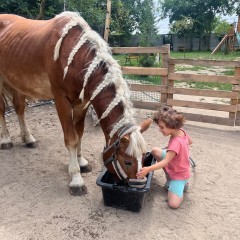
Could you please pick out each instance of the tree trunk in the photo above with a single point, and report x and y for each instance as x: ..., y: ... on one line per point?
x: 209, y: 41
x: 191, y: 42
x: 200, y: 42
x: 41, y: 10
x: 108, y: 19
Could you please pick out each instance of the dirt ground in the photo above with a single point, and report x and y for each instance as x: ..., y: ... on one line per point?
x: 35, y: 203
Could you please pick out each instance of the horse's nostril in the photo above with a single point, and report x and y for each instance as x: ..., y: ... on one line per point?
x: 128, y: 163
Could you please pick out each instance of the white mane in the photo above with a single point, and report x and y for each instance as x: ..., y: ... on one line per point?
x: 75, y: 19
x: 113, y: 77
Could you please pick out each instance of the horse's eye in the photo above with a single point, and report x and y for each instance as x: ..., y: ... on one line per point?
x: 128, y: 163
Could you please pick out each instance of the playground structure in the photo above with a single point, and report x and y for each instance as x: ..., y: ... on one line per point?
x: 231, y: 41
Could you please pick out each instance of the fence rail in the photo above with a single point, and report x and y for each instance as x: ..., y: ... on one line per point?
x: 136, y: 50
x: 205, y: 63
x: 168, y: 90
x: 145, y: 71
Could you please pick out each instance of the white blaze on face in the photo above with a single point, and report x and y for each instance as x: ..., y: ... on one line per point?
x: 139, y: 163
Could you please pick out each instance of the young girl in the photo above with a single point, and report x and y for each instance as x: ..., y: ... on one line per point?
x: 175, y: 159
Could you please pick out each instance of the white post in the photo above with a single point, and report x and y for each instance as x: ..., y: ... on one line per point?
x: 64, y: 5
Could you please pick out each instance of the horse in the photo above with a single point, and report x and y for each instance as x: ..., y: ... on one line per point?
x: 64, y: 59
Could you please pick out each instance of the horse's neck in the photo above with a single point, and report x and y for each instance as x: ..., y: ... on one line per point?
x: 112, y: 121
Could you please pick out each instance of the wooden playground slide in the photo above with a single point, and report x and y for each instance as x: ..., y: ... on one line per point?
x: 220, y: 44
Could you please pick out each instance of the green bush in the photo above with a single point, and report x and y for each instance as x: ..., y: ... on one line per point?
x: 147, y: 61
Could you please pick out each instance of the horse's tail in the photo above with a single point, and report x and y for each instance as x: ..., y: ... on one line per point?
x: 7, y: 95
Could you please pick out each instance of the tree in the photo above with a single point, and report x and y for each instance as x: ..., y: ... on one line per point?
x: 202, y: 12
x: 128, y: 16
x: 25, y: 8
x: 122, y: 22
x: 182, y: 27
x: 222, y: 28
x: 32, y: 8
x: 41, y: 10
x: 147, y: 28
x: 93, y: 11
x: 132, y: 16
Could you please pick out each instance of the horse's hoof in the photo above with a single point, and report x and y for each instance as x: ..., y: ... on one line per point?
x: 6, y: 146
x: 85, y: 169
x: 78, y: 191
x: 31, y: 145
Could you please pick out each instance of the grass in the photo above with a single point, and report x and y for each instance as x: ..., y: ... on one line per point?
x: 214, y: 86
x: 192, y: 68
x: 155, y: 80
x: 121, y: 58
x: 206, y: 55
x: 229, y: 72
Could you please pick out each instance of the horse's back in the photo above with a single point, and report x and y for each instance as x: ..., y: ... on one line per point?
x: 25, y: 39
x: 26, y: 53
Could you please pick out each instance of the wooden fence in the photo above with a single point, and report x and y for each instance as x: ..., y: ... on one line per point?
x: 226, y: 112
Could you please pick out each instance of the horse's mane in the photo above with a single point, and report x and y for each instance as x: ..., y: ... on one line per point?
x: 113, y: 76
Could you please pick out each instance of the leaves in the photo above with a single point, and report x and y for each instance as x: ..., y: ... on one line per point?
x: 202, y: 12
x: 127, y: 16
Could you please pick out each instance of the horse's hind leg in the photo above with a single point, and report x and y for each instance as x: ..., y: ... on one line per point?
x: 19, y: 104
x: 6, y: 142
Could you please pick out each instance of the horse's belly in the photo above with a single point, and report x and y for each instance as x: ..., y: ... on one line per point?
x: 34, y: 86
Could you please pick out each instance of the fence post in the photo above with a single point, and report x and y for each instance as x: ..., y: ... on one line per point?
x: 165, y: 63
x: 171, y: 69
x: 236, y: 88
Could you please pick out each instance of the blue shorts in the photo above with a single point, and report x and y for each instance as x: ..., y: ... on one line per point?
x: 174, y: 186
x: 177, y: 186
x: 164, y: 152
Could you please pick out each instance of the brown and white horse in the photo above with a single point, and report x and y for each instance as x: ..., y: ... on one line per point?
x: 64, y: 59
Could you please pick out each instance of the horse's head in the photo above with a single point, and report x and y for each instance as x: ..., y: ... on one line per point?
x: 123, y: 156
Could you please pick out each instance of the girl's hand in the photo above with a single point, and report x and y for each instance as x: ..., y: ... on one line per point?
x: 143, y: 172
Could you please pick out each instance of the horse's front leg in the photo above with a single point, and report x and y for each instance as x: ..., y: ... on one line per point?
x: 71, y: 140
x: 83, y: 163
x: 79, y: 125
x: 19, y: 105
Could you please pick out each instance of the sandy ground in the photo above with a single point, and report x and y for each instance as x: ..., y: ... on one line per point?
x: 35, y: 203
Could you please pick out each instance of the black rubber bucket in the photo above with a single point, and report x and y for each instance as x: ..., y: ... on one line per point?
x: 124, y: 197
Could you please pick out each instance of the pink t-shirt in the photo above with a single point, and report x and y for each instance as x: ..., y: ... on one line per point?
x: 179, y: 167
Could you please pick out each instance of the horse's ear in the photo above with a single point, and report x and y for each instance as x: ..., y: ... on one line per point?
x: 125, y: 139
x: 145, y: 125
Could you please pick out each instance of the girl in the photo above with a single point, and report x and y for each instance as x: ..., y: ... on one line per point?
x: 175, y: 159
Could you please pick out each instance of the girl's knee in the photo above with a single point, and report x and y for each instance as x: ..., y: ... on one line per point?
x: 155, y: 150
x: 157, y: 153
x: 174, y: 201
x: 174, y: 205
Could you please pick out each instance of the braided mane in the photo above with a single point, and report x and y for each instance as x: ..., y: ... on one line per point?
x: 113, y: 76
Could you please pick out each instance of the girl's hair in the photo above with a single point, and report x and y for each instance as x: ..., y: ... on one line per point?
x: 170, y: 117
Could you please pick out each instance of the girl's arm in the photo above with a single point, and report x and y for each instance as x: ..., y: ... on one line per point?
x: 145, y: 170
x: 190, y: 140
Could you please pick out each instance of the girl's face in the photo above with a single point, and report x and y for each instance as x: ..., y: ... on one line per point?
x: 166, y: 131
